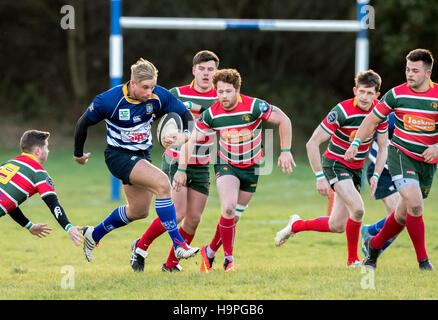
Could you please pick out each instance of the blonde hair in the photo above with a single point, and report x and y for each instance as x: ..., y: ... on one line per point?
x: 143, y: 70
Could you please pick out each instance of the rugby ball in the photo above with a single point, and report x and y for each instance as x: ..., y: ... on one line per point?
x: 169, y: 123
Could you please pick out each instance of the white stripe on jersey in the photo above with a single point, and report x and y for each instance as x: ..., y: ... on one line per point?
x: 4, y: 209
x: 125, y: 136
x: 25, y: 164
x: 25, y: 178
x: 225, y: 147
x: 48, y: 193
x: 19, y: 188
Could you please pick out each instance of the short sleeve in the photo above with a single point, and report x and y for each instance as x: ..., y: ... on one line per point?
x: 44, y: 184
x: 385, y: 106
x: 96, y: 110
x: 169, y: 103
x: 204, y: 122
x: 262, y: 109
x: 333, y: 121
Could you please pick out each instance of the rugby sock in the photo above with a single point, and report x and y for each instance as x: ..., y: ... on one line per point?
x: 415, y: 226
x: 172, y: 260
x: 389, y: 230
x: 319, y: 224
x: 166, y: 212
x: 375, y: 228
x: 227, y: 229
x: 216, y: 243
x: 352, y: 231
x: 155, y: 230
x: 115, y: 220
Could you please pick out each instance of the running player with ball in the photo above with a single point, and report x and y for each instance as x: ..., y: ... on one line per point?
x: 190, y: 200
x: 129, y: 110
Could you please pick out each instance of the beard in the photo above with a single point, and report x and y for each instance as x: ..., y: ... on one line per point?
x: 229, y: 104
x: 416, y: 84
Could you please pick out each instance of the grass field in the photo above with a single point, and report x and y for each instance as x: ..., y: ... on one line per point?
x: 309, y: 266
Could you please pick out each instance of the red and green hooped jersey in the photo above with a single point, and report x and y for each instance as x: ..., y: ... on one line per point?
x: 201, y: 152
x: 342, y: 124
x: 21, y: 178
x: 239, y: 130
x: 416, y: 118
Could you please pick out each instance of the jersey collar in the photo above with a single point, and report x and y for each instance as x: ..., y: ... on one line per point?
x: 192, y: 86
x: 30, y: 156
x: 127, y: 97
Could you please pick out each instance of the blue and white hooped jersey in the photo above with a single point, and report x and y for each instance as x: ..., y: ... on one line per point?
x: 129, y: 121
x: 375, y: 147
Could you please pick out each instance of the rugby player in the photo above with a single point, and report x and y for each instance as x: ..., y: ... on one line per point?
x: 191, y: 199
x: 237, y: 119
x: 129, y: 110
x: 23, y: 176
x: 340, y: 126
x: 412, y: 154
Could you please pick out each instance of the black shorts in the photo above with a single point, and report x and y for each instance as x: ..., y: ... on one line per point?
x: 385, y: 187
x: 120, y: 162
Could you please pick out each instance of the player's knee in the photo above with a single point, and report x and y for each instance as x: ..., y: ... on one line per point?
x: 416, y: 210
x: 229, y: 210
x: 163, y: 188
x: 358, y: 214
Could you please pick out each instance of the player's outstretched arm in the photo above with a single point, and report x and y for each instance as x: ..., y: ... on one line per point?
x: 365, y: 130
x: 40, y: 229
x: 60, y: 216
x: 285, y: 160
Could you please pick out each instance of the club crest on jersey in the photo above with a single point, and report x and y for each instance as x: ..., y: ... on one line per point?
x: 246, y: 118
x: 435, y: 105
x: 149, y: 108
x: 49, y: 181
x: 91, y: 107
x: 264, y: 107
x: 332, y: 117
x: 124, y: 114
